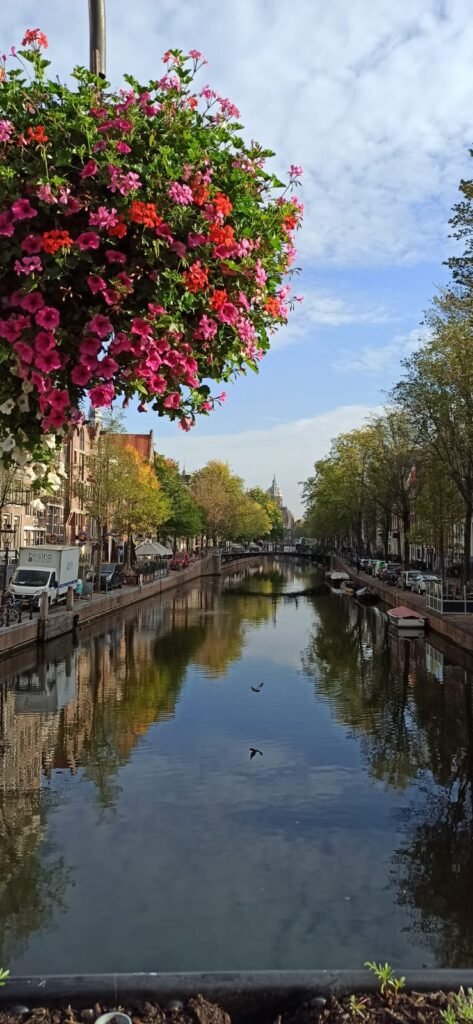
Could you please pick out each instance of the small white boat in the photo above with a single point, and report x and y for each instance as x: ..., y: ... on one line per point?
x: 405, y: 618
x: 336, y: 578
x: 348, y: 587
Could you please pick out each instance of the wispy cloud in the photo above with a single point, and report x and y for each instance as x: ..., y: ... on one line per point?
x: 378, y: 360
x: 288, y: 449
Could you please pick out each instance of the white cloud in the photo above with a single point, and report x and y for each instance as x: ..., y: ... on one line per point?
x: 378, y: 360
x: 288, y: 449
x: 324, y: 309
x: 377, y: 107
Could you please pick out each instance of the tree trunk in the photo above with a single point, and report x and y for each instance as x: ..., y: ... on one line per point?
x: 98, y: 562
x: 406, y: 524
x: 467, y: 541
x: 128, y: 547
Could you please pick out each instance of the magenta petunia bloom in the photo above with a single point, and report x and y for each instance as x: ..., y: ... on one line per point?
x: 48, y: 317
x: 102, y: 395
x: 88, y: 240
x: 23, y: 210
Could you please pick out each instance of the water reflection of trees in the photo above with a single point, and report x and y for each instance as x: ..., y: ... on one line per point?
x: 413, y: 731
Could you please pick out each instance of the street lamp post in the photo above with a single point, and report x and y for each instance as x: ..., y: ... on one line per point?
x: 97, y: 36
x: 6, y: 532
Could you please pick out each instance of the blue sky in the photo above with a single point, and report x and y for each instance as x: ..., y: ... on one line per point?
x: 374, y: 100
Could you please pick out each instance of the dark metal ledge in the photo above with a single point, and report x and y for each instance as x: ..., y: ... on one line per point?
x: 241, y: 991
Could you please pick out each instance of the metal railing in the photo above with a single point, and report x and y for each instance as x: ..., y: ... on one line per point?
x: 447, y: 598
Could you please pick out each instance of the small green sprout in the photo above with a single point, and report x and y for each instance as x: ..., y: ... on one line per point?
x: 386, y: 977
x: 461, y: 1010
x: 3, y: 976
x: 357, y: 1006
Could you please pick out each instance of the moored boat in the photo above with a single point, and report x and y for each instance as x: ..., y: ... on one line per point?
x: 366, y: 596
x: 336, y: 578
x: 348, y: 587
x: 405, y: 618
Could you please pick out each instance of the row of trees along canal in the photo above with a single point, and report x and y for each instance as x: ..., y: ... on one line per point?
x: 123, y: 494
x: 415, y: 460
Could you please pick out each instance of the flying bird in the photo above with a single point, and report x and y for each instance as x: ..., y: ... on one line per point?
x: 254, y: 752
x: 257, y: 689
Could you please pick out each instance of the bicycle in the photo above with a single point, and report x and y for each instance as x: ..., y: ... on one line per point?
x: 10, y: 611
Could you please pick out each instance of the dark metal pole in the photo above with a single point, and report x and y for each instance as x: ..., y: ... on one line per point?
x: 97, y: 36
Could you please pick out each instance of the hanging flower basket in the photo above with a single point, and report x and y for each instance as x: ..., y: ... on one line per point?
x: 143, y: 248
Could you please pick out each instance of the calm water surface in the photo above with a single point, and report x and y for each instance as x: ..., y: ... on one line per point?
x: 137, y: 834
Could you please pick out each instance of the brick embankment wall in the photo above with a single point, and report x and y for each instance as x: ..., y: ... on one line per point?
x: 456, y: 628
x: 17, y: 637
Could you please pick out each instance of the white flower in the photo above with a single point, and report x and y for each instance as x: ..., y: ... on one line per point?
x: 28, y: 475
x: 37, y: 505
x: 54, y: 480
x: 23, y: 403
x: 50, y: 441
x: 39, y: 469
x: 7, y: 407
x: 20, y: 456
x: 8, y: 444
x: 27, y: 387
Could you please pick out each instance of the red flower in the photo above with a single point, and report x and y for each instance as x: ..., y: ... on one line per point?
x: 196, y: 278
x: 53, y: 241
x: 220, y: 235
x: 218, y: 298
x: 201, y: 194
x: 34, y: 36
x: 222, y: 204
x: 144, y: 213
x: 272, y: 306
x: 38, y: 135
x: 118, y: 230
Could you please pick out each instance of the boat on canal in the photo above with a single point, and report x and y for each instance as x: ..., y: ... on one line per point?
x: 336, y: 578
x: 366, y: 596
x: 405, y: 618
x: 348, y: 587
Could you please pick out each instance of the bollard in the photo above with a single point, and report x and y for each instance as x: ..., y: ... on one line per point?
x: 43, y: 607
x: 70, y: 599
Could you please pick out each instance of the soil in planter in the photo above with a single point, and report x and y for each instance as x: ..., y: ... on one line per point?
x: 406, y: 1008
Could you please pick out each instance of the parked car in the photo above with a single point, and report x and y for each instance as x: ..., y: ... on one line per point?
x: 111, y: 575
x: 180, y: 560
x: 391, y: 569
x: 364, y: 562
x: 379, y: 565
x: 420, y: 585
x: 408, y: 578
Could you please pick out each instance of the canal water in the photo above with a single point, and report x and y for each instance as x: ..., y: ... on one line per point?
x: 139, y: 831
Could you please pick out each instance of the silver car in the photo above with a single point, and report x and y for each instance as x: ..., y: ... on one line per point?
x: 420, y: 585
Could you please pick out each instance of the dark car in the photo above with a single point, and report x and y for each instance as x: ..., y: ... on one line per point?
x: 111, y: 575
x: 391, y: 572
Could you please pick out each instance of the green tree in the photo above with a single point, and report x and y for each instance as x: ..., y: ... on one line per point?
x: 142, y: 506
x: 272, y: 511
x: 102, y: 490
x: 218, y: 493
x: 185, y: 517
x: 437, y: 395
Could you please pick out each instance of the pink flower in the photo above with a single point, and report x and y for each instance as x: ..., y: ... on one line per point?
x: 141, y: 327
x: 112, y: 256
x: 103, y: 394
x: 54, y: 421
x: 44, y: 342
x: 97, y: 146
x: 103, y: 218
x: 243, y: 300
x: 164, y: 231
x: 46, y: 194
x: 48, y: 361
x: 186, y: 423
x: 195, y: 238
x: 155, y: 310
x: 96, y: 283
x: 7, y: 226
x: 100, y: 325
x: 6, y: 129
x: 228, y: 314
x: 90, y: 168
x: 123, y: 147
x: 32, y: 302
x: 24, y: 351
x: 112, y: 296
x: 172, y: 401
x: 207, y: 406
x: 32, y: 244
x: 222, y: 397
x: 180, y: 194
x: 207, y: 328
x: 245, y: 329
x: 48, y: 317
x: 90, y: 347
x: 260, y: 273
x: 10, y: 330
x: 107, y: 367
x: 28, y: 265
x: 23, y: 210
x: 81, y: 375
x: 88, y: 240
x: 179, y: 248
x: 38, y: 382
x: 195, y: 54
x: 123, y: 182
x: 59, y: 399
x: 295, y: 171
